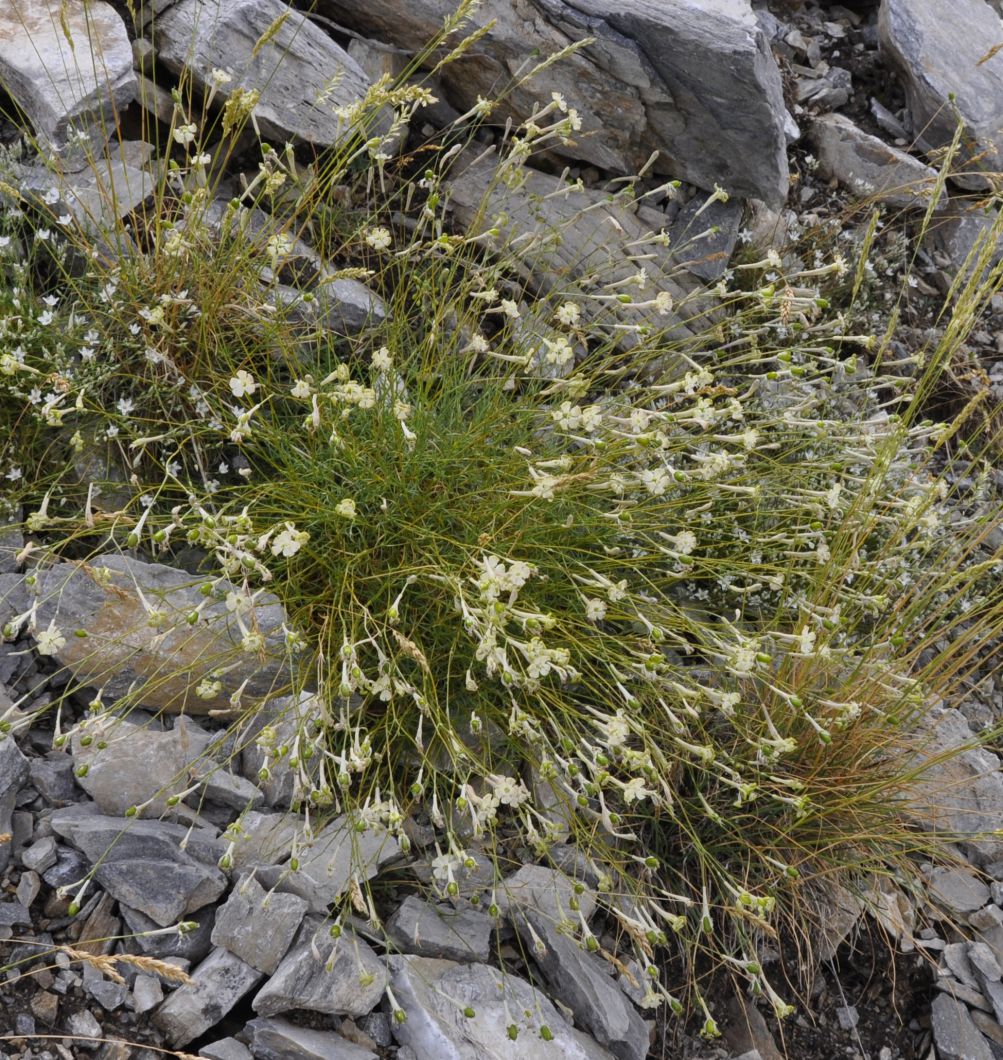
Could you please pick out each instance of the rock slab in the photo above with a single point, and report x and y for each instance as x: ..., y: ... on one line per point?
x: 138, y: 636
x: 692, y: 79
x: 298, y: 66
x: 949, y: 73
x: 435, y: 993
x: 77, y: 70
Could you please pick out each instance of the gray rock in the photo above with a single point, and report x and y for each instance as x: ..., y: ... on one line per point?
x: 108, y: 188
x: 706, y: 257
x: 960, y: 234
x: 263, y: 838
x: 343, y: 307
x: 991, y: 1029
x: 52, y: 777
x: 693, y: 79
x: 983, y: 961
x: 167, y: 662
x: 256, y: 926
x: 225, y: 789
x: 28, y: 887
x: 190, y: 946
x: 992, y: 990
x: 285, y: 715
x: 299, y: 64
x: 216, y: 985
x: 959, y: 991
x: 947, y: 75
x: 147, y: 993
x: 848, y: 1017
x: 71, y: 867
x: 41, y: 855
x: 143, y: 863
x: 956, y: 1036
x: 957, y: 889
x: 595, y: 245
x: 441, y: 931
x: 84, y: 1026
x: 582, y: 981
x: 277, y: 1039
x: 548, y: 890
x: 435, y: 993
x: 62, y: 82
x: 957, y: 791
x: 13, y: 776
x: 825, y: 87
x: 955, y: 959
x: 339, y: 977
x: 107, y: 993
x: 135, y: 765
x: 869, y: 167
x: 14, y: 914
x: 329, y: 860
x: 226, y: 1049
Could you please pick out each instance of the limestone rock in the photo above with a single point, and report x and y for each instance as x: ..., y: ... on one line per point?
x: 547, y: 890
x: 339, y: 977
x: 64, y: 82
x: 13, y: 775
x: 947, y: 74
x: 256, y: 926
x: 263, y: 838
x: 143, y: 864
x: 959, y: 792
x: 435, y: 993
x: 98, y: 195
x: 343, y: 307
x: 124, y: 651
x: 277, y: 1039
x: 329, y: 860
x: 692, y: 79
x: 581, y: 981
x: 135, y: 765
x: 216, y: 985
x: 298, y: 66
x: 597, y: 241
x: 955, y: 1034
x: 441, y: 931
x: 191, y: 946
x: 869, y: 167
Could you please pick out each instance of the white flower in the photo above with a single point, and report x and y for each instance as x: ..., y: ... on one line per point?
x: 51, y: 197
x: 595, y: 609
x: 289, y: 541
x: 346, y: 508
x: 125, y: 405
x: 507, y: 791
x: 655, y: 480
x: 302, y: 389
x: 663, y: 303
x: 379, y: 238
x: 220, y: 76
x: 634, y: 791
x: 806, y: 642
x: 242, y: 383
x: 184, y: 134
x: 686, y: 541
x: 382, y: 359
x: 617, y: 731
x: 49, y: 641
x: 510, y: 308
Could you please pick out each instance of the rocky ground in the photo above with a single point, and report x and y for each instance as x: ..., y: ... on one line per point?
x: 809, y: 114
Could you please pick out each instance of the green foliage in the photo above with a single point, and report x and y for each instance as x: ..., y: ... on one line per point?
x: 669, y: 599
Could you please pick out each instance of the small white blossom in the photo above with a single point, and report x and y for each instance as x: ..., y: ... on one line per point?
x: 242, y: 383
